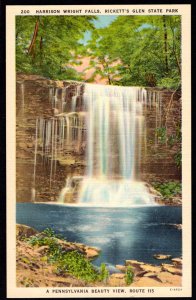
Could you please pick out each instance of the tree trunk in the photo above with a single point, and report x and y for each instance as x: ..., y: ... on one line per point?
x: 40, y: 48
x: 106, y: 66
x: 178, y: 63
x: 109, y: 80
x: 175, y: 53
x: 31, y: 50
x: 165, y: 45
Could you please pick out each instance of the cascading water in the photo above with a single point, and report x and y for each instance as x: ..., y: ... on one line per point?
x: 108, y: 124
x: 74, y: 98
x: 115, y: 125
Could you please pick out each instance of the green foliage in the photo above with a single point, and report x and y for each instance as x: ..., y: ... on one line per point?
x: 168, y: 82
x: 46, y: 238
x: 139, y: 50
x: 161, y: 133
x: 132, y: 50
x: 173, y: 140
x: 129, y: 275
x: 168, y: 189
x: 178, y: 158
x: 71, y: 262
x: 77, y: 265
x: 27, y: 282
x: 49, y: 232
x: 42, y: 240
x: 25, y: 260
x: 48, y: 45
x: 104, y: 273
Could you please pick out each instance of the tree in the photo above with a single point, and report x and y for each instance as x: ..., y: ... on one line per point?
x: 45, y: 45
x: 143, y: 50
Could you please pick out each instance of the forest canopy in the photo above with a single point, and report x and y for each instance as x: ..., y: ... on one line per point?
x: 48, y: 45
x: 131, y: 51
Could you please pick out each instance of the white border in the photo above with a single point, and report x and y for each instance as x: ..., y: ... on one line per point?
x: 16, y: 292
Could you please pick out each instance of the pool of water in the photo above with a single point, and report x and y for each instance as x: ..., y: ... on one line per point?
x: 121, y: 233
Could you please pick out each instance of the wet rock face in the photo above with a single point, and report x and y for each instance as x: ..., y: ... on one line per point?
x: 35, y: 98
x: 159, y: 162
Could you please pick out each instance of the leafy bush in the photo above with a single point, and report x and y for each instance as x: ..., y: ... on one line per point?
x: 49, y: 232
x: 71, y: 262
x: 42, y: 240
x: 104, y: 273
x: 45, y: 238
x: 161, y: 134
x: 129, y: 275
x: 173, y: 140
x: 178, y: 159
x: 168, y: 189
x: 76, y: 264
x: 169, y: 82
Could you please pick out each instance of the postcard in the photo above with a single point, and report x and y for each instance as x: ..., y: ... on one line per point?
x: 98, y: 151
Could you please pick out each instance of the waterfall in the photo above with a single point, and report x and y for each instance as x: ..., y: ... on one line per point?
x: 74, y: 98
x: 115, y: 123
x: 53, y: 136
x: 107, y: 124
x: 67, y: 189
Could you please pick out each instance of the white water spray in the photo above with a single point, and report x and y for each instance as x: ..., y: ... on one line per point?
x: 111, y: 122
x: 67, y: 189
x: 115, y: 125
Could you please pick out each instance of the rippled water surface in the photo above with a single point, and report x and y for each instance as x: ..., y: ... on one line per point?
x: 121, y: 233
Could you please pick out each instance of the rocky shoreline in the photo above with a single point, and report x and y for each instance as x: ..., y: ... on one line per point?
x: 35, y: 270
